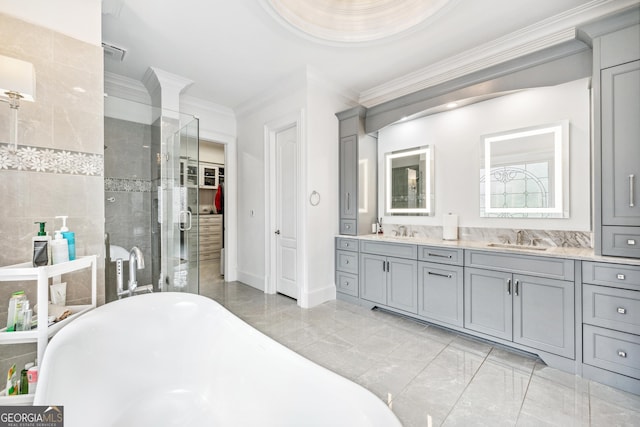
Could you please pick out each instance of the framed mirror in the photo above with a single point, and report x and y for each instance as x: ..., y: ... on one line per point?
x: 524, y: 173
x: 408, y: 178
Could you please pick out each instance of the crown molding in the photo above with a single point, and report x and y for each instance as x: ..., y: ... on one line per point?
x: 203, y: 104
x: 550, y: 32
x: 126, y: 88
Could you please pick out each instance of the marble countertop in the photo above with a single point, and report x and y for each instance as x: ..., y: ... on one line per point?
x: 583, y: 254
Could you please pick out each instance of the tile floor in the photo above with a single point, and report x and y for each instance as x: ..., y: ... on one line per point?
x: 434, y: 377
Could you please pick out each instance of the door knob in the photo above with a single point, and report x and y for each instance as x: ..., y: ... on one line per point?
x: 278, y: 232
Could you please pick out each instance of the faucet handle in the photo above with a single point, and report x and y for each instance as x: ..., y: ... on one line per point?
x: 504, y: 239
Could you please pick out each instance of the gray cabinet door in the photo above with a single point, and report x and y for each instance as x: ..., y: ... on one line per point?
x: 543, y: 314
x: 621, y: 145
x: 349, y: 178
x: 402, y: 284
x: 440, y: 292
x: 373, y: 278
x: 488, y: 302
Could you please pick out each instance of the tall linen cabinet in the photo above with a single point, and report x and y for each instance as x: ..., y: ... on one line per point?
x: 358, y: 174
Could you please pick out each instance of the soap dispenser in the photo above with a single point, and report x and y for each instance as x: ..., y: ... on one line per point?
x: 59, y: 249
x: 70, y: 236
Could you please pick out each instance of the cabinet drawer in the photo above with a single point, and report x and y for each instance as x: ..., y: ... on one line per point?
x: 210, y: 231
x: 348, y: 227
x: 347, y: 283
x: 612, y: 350
x: 553, y: 268
x: 347, y: 261
x: 611, y: 308
x: 619, y: 276
x: 347, y: 244
x: 399, y: 250
x: 440, y: 292
x: 440, y: 255
x: 621, y: 241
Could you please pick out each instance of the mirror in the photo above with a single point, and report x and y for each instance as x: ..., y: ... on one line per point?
x: 409, y: 182
x: 528, y: 173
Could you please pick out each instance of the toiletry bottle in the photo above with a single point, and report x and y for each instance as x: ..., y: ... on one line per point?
x: 59, y: 249
x: 15, y: 307
x: 41, y: 247
x: 24, y: 380
x: 70, y: 236
x: 13, y: 382
x: 32, y: 377
x: 27, y: 316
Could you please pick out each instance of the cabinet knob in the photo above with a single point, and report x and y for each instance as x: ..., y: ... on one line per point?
x: 622, y: 353
x: 620, y: 276
x: 622, y: 310
x: 347, y: 226
x: 631, y: 242
x: 346, y: 261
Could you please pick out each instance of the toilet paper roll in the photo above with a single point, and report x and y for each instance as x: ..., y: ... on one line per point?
x: 450, y: 227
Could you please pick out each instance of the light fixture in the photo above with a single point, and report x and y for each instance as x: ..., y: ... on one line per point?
x: 17, y: 81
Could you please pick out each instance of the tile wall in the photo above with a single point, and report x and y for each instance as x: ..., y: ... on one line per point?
x: 58, y: 168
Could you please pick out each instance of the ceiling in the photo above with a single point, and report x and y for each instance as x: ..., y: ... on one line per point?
x: 236, y: 50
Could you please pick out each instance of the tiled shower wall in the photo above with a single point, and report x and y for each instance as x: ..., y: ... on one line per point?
x: 127, y: 172
x: 58, y: 169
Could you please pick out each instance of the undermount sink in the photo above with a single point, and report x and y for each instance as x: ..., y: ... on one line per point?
x: 512, y: 246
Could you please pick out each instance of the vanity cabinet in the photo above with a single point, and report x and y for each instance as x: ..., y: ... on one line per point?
x: 611, y: 324
x: 527, y: 300
x: 357, y: 179
x: 617, y: 142
x: 440, y: 285
x: 388, y: 274
x: 347, y: 266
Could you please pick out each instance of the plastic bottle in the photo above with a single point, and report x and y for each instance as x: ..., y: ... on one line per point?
x: 15, y: 308
x: 59, y: 249
x: 70, y: 236
x: 32, y: 377
x: 41, y: 247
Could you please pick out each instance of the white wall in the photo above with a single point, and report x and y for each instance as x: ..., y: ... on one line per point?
x: 322, y: 176
x: 456, y: 134
x: 251, y: 183
x: 316, y: 101
x: 211, y: 152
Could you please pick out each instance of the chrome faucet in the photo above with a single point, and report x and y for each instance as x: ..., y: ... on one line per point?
x: 520, y: 237
x: 136, y: 259
x: 402, y: 231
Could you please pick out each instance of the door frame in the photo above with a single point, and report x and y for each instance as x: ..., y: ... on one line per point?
x: 271, y: 129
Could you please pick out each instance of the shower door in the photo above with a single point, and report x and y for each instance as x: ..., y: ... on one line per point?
x: 180, y: 251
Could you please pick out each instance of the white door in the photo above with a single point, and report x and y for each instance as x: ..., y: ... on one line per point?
x: 286, y: 206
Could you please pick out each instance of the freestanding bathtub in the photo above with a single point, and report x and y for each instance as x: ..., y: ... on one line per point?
x: 177, y: 359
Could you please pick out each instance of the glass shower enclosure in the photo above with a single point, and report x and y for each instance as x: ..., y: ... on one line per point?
x: 178, y: 213
x: 151, y: 195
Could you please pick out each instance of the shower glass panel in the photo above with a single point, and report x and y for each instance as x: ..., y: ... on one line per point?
x: 180, y: 208
x: 151, y: 196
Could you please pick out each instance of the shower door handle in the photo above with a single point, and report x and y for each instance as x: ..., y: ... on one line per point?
x: 187, y: 219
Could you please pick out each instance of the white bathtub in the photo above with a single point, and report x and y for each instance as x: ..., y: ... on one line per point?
x: 176, y: 359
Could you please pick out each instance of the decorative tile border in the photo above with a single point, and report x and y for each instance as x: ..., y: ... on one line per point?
x: 36, y: 159
x: 127, y: 185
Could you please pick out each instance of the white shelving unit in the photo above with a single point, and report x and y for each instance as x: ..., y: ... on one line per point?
x: 42, y: 334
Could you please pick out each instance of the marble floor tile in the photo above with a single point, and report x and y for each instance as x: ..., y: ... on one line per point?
x: 608, y: 414
x: 432, y: 375
x: 493, y: 397
x: 555, y: 404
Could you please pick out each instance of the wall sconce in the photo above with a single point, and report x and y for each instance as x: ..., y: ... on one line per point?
x: 17, y: 81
